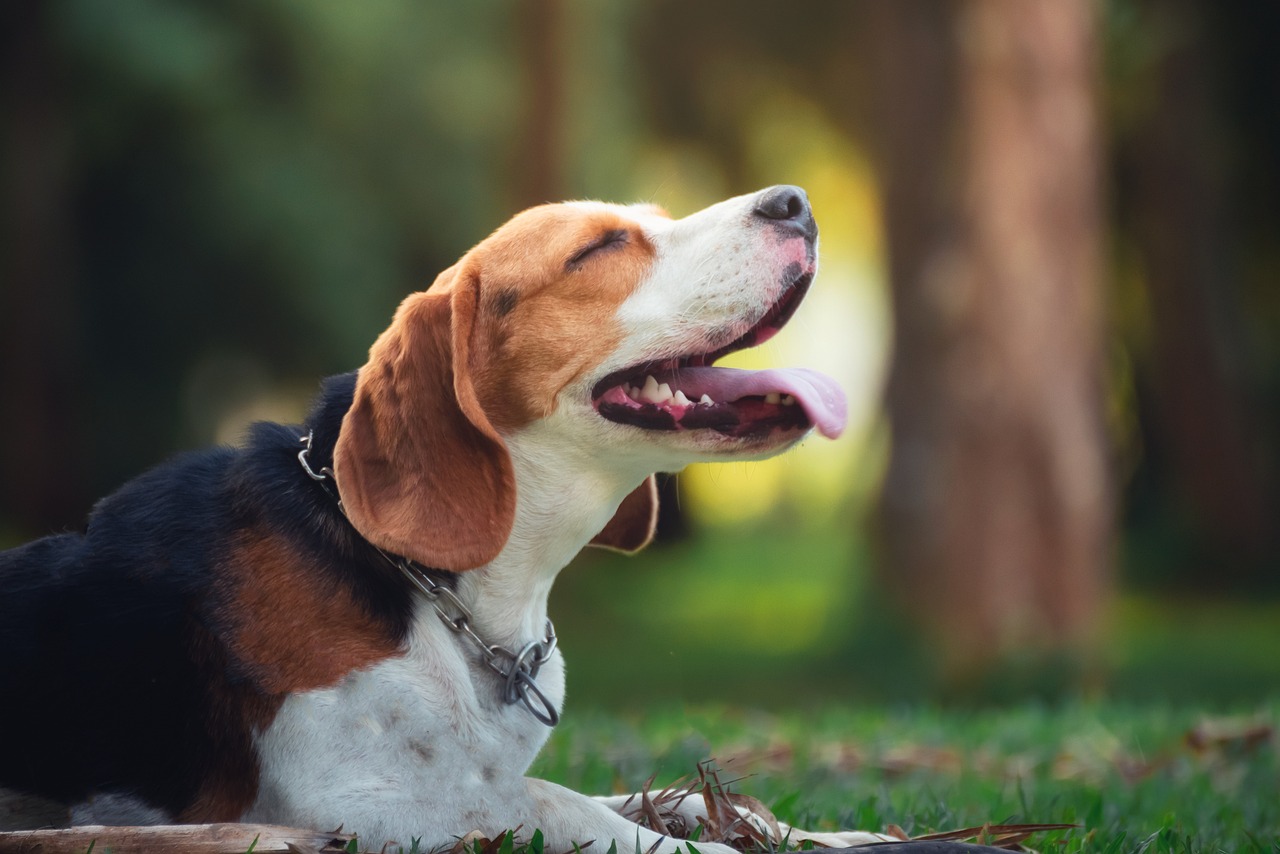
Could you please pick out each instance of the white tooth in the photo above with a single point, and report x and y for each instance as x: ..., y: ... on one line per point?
x: 706, y: 400
x: 651, y: 393
x: 679, y: 399
x: 664, y: 391
x: 788, y: 400
x: 773, y: 397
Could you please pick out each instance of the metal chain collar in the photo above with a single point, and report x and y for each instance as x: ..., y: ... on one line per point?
x: 517, y: 669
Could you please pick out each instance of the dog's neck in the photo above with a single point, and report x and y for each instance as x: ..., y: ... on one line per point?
x: 563, y: 499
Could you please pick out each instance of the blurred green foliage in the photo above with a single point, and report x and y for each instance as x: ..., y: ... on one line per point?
x: 779, y: 616
x: 265, y: 181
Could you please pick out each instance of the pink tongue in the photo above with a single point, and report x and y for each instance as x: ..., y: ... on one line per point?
x: 822, y: 399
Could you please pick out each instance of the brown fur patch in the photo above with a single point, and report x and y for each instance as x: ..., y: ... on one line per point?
x: 566, y: 320
x: 421, y: 471
x: 422, y: 750
x: 504, y: 301
x: 238, y: 709
x: 635, y: 521
x: 287, y: 633
x: 291, y: 633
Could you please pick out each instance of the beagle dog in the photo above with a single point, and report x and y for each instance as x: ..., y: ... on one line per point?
x: 345, y: 623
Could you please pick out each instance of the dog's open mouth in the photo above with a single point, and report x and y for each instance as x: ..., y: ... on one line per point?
x: 687, y: 393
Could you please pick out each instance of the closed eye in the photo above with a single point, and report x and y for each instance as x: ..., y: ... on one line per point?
x: 611, y: 239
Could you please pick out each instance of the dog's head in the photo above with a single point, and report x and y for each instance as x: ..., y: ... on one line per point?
x: 594, y: 327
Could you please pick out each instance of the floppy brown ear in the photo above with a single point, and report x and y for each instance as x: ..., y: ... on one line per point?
x: 633, y: 525
x: 419, y: 467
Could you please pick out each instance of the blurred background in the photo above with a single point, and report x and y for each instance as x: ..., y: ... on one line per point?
x: 1048, y: 284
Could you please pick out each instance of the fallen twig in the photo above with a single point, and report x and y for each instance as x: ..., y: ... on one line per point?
x: 175, y: 839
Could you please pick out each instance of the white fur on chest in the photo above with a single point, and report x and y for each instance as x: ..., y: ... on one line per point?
x: 423, y: 745
x: 408, y: 747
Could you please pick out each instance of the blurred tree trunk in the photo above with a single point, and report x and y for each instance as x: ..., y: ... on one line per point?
x: 997, y: 511
x: 43, y: 481
x: 539, y: 150
x: 1200, y: 383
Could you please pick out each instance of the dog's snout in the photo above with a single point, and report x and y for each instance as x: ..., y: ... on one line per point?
x: 787, y: 207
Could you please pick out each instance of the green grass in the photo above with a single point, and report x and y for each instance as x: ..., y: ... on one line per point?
x: 854, y: 735
x: 1124, y: 773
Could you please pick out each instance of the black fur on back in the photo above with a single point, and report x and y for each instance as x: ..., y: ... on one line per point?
x: 109, y: 637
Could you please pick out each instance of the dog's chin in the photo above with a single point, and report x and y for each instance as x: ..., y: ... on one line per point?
x: 757, y: 446
x: 671, y: 450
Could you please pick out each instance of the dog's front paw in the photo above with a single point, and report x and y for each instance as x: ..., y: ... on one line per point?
x: 730, y: 818
x: 842, y: 839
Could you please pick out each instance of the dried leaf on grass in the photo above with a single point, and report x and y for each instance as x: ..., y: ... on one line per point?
x: 733, y: 828
x: 1093, y: 757
x: 724, y: 820
x: 1229, y: 734
x: 721, y: 819
x: 650, y: 811
x: 897, y: 832
x: 1007, y: 836
x: 476, y: 842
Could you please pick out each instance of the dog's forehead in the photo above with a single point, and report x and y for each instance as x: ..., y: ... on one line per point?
x: 642, y: 213
x: 566, y: 226
x: 535, y: 247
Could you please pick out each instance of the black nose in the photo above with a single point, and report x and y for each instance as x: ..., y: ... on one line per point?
x: 787, y: 207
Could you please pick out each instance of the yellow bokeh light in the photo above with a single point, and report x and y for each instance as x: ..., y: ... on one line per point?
x: 842, y: 329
